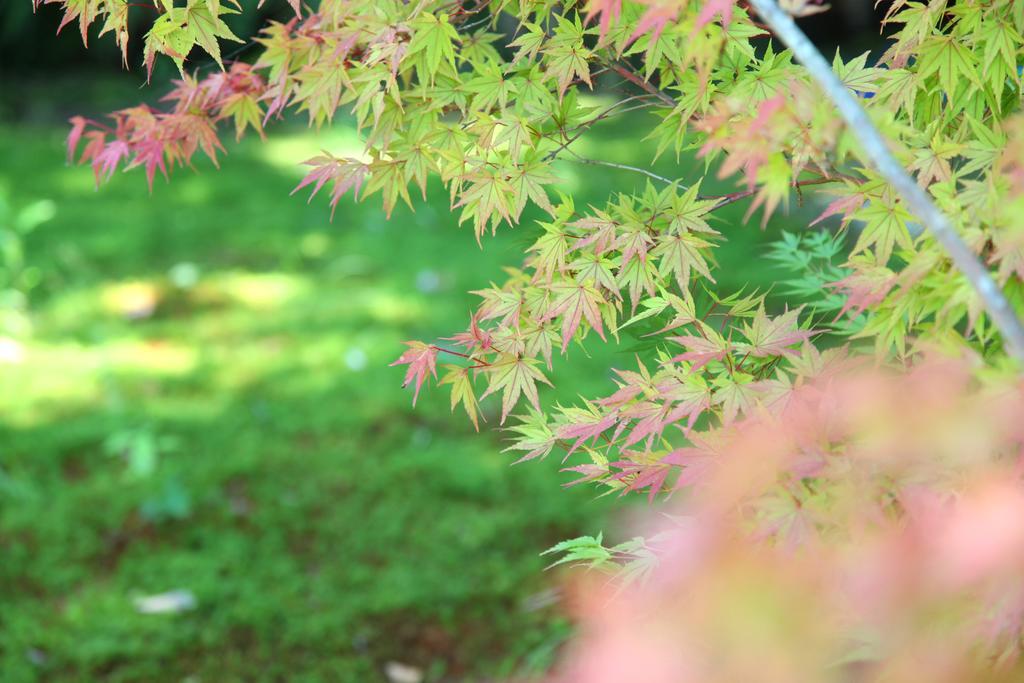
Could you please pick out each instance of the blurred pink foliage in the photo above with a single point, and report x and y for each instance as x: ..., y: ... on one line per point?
x: 869, y: 529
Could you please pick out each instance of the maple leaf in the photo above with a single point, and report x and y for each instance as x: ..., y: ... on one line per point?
x: 602, y: 229
x: 491, y: 87
x: 434, y: 37
x: 678, y: 254
x: 768, y: 336
x: 514, y: 376
x: 388, y: 176
x: 856, y: 75
x: 527, y: 182
x: 589, y: 424
x: 422, y: 360
x: 885, y: 226
x: 687, y: 211
x: 575, y: 302
x: 947, y: 58
x: 78, y: 125
x: 462, y: 391
x: 864, y: 288
x: 845, y: 206
x: 108, y: 158
x: 178, y: 29
x: 488, y: 199
x: 736, y: 393
x: 639, y: 475
x: 608, y: 11
x: 634, y: 243
x: 697, y: 464
x: 701, y: 350
x: 474, y: 337
x: 712, y: 8
x: 932, y: 163
x: 344, y: 174
x: 206, y: 27
x: 651, y: 419
x: 551, y: 249
x: 690, y: 398
x: 656, y: 18
x: 529, y: 42
x: 85, y: 11
x: 567, y: 57
x: 535, y: 436
x: 639, y: 278
x: 500, y: 303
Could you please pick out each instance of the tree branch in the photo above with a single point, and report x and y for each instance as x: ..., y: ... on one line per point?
x: 636, y: 80
x: 726, y: 199
x: 878, y: 154
x: 623, y: 167
x: 585, y: 126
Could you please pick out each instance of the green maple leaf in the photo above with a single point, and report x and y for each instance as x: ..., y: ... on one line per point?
x: 687, y: 212
x: 773, y: 336
x: 735, y: 393
x: 462, y: 391
x: 856, y: 75
x: 575, y: 302
x: 434, y: 40
x: 528, y: 181
x: 514, y: 376
x: 885, y: 225
x: 488, y: 199
x: 551, y: 249
x: 206, y: 27
x: 638, y: 276
x: 179, y: 29
x: 529, y: 42
x: 984, y: 148
x: 567, y: 57
x: 680, y: 253
x: 950, y: 61
x: 491, y: 87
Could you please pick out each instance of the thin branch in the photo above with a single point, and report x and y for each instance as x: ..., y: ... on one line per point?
x: 725, y: 199
x: 878, y: 154
x: 585, y: 126
x: 448, y: 350
x: 622, y: 167
x: 636, y: 80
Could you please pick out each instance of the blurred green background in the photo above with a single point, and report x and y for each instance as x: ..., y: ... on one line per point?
x: 197, y: 405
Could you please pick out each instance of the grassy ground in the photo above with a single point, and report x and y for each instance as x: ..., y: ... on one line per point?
x: 204, y: 403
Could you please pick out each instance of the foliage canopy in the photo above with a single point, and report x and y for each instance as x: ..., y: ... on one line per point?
x: 485, y: 97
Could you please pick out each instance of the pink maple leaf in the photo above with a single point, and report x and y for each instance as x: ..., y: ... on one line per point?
x: 700, y: 351
x: 658, y: 15
x: 422, y: 360
x: 711, y: 8
x: 607, y: 10
x: 107, y: 160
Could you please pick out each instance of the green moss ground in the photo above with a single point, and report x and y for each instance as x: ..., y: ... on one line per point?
x: 245, y: 439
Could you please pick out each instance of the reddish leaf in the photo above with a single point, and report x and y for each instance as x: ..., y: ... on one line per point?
x: 78, y: 125
x: 422, y: 360
x: 345, y: 174
x: 773, y: 336
x: 607, y: 10
x: 701, y: 350
x: 657, y: 17
x: 576, y: 302
x: 712, y: 8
